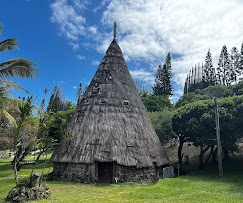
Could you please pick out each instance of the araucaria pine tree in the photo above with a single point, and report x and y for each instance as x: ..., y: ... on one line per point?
x: 241, y: 58
x: 158, y: 81
x: 224, y: 67
x: 57, y: 101
x: 50, y: 104
x: 163, y: 84
x: 168, y: 75
x: 209, y: 76
x: 234, y: 56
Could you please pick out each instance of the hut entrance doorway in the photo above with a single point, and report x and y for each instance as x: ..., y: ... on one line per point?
x: 105, y: 172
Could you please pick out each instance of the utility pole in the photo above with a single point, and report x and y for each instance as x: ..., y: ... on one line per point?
x: 219, y: 151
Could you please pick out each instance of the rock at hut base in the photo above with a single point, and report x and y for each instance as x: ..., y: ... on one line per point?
x: 25, y: 194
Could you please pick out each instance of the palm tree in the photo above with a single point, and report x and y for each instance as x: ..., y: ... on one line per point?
x: 16, y: 67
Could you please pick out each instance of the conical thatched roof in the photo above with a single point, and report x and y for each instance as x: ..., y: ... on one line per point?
x: 111, y: 123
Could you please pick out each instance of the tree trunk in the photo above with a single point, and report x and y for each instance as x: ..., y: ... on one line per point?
x: 36, y: 161
x: 210, y: 154
x: 214, y: 156
x: 42, y: 174
x: 17, y: 156
x: 226, y: 154
x: 202, y: 152
x: 15, y: 171
x: 180, y: 155
x: 182, y: 140
x: 201, y: 166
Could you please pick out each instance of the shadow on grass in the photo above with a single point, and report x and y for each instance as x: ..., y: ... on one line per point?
x: 196, y: 186
x: 99, y: 185
x: 232, y: 177
x: 5, y: 165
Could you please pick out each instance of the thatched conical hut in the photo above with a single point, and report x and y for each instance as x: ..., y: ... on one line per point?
x: 112, y: 135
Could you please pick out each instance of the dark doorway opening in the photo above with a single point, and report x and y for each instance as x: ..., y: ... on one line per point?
x: 105, y: 172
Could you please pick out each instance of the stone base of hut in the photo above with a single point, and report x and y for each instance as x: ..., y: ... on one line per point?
x: 88, y: 173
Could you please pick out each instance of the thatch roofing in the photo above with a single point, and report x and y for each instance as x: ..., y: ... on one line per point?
x: 111, y: 123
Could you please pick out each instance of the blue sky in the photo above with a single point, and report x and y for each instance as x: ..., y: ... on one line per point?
x: 67, y: 39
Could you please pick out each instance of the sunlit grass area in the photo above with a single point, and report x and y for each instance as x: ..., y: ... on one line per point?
x: 196, y: 186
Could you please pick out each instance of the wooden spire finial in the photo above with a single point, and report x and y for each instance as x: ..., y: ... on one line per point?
x: 114, y: 30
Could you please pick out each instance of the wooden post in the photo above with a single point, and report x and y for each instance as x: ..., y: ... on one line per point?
x: 114, y: 33
x: 219, y: 151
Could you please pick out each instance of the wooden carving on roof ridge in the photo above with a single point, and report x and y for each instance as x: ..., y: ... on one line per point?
x: 114, y: 32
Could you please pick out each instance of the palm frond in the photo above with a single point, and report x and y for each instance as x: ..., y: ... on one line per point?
x: 10, y: 118
x: 6, y: 87
x: 18, y: 67
x: 9, y: 103
x: 35, y: 109
x: 8, y: 44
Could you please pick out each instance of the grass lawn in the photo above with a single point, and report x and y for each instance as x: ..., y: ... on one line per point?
x: 197, y: 186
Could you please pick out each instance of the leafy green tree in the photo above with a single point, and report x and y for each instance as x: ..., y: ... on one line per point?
x: 221, y: 91
x: 59, y: 124
x: 156, y: 102
x: 196, y: 121
x: 187, y: 99
x: 162, y: 123
x: 20, y: 140
x: 237, y: 89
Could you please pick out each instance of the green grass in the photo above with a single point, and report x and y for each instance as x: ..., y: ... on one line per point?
x: 197, y: 186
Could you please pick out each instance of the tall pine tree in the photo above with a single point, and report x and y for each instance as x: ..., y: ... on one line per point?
x: 159, y: 82
x: 168, y: 75
x: 241, y: 58
x: 57, y: 101
x: 163, y: 85
x: 234, y: 57
x: 209, y: 76
x: 224, y: 67
x: 50, y: 104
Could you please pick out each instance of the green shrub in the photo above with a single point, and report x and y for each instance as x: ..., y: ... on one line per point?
x: 25, y: 181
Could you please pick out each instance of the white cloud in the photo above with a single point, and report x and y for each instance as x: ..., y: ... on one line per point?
x: 92, y: 30
x: 148, y: 29
x: 79, y: 57
x: 101, y: 5
x: 67, y: 14
x: 75, y: 87
x: 176, y: 95
x: 143, y: 75
x: 95, y: 62
x: 58, y: 82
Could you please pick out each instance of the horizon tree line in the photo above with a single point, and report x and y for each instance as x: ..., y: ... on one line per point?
x: 227, y: 72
